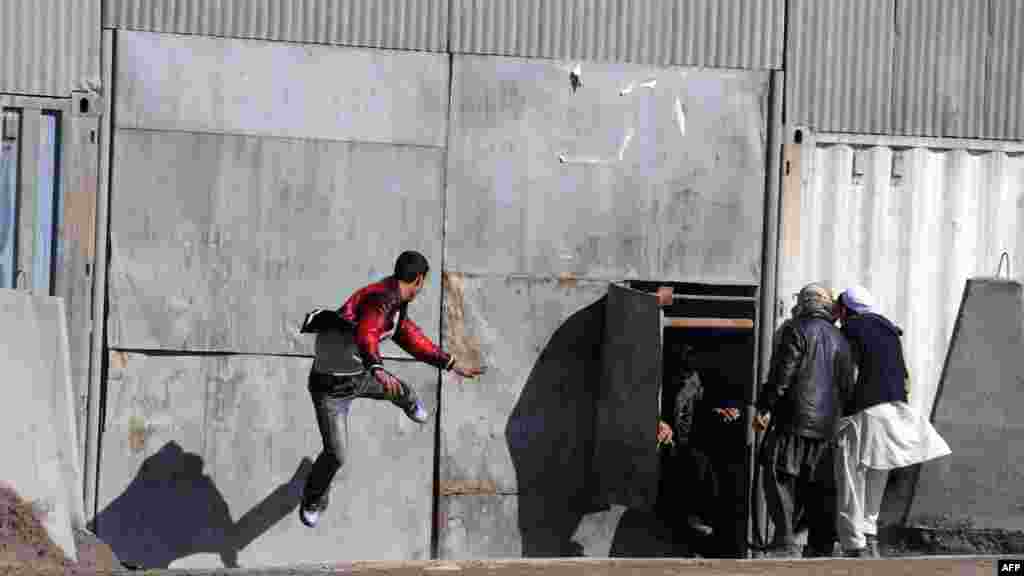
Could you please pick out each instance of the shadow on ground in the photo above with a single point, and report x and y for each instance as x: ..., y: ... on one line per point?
x: 172, y: 510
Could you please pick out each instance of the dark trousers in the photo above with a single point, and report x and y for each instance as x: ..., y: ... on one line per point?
x: 690, y: 486
x: 799, y: 482
x: 332, y: 396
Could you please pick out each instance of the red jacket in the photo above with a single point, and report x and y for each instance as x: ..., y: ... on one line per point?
x: 375, y: 310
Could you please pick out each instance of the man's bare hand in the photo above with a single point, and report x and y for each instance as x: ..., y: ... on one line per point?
x: 761, y: 421
x: 391, y: 384
x: 467, y: 371
x: 664, y: 433
x: 727, y: 414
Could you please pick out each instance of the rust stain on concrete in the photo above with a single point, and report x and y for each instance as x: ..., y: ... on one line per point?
x: 464, y: 345
x: 567, y: 281
x: 137, y: 434
x: 118, y: 360
x: 468, y: 487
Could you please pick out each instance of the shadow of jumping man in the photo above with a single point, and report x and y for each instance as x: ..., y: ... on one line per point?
x: 172, y: 509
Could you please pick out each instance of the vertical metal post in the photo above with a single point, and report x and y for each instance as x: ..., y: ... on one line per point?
x: 769, y: 278
x: 97, y: 356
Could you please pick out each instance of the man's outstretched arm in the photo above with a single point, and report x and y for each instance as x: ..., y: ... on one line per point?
x: 411, y: 339
x: 415, y: 342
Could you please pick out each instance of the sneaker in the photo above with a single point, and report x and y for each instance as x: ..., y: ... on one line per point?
x: 698, y: 526
x: 309, y: 516
x: 417, y: 413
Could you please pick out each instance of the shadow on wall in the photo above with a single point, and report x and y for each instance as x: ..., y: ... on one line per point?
x: 550, y: 435
x: 172, y: 510
x: 550, y: 439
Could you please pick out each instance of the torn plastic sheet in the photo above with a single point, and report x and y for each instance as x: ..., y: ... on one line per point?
x: 680, y: 117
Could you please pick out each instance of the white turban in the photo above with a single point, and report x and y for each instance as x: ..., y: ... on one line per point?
x: 858, y: 300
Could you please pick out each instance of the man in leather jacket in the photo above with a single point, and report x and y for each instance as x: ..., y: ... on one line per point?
x: 810, y: 372
x: 348, y: 365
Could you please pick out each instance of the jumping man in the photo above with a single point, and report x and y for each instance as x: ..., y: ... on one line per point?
x: 348, y: 365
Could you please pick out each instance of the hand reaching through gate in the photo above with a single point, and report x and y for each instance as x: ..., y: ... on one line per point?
x: 664, y: 433
x: 727, y: 414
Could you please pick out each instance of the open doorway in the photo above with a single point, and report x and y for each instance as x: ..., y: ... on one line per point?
x: 703, y: 474
x: 648, y: 325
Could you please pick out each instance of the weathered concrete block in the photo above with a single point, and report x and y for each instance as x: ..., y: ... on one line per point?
x: 204, y: 459
x: 654, y: 173
x: 225, y: 242
x: 255, y: 87
x: 977, y: 412
x: 37, y: 421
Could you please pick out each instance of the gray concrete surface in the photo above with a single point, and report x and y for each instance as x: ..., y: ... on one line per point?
x: 225, y: 242
x: 661, y: 173
x: 950, y: 565
x: 524, y: 429
x: 255, y: 87
x: 37, y: 422
x: 977, y: 412
x: 203, y: 463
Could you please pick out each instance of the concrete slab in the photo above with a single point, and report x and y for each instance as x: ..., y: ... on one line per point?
x: 530, y: 415
x: 256, y: 87
x: 224, y: 243
x: 977, y: 412
x: 642, y: 172
x: 203, y: 464
x: 37, y: 421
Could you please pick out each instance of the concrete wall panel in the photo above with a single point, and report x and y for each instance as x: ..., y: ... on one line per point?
x: 37, y: 421
x: 639, y: 172
x: 536, y: 386
x: 225, y: 242
x: 191, y: 83
x: 203, y: 463
x: 524, y: 428
x: 479, y: 526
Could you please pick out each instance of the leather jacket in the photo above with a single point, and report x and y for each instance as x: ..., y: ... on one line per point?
x: 811, y: 373
x: 348, y: 340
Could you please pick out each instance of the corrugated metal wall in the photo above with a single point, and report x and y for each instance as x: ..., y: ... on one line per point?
x: 48, y: 47
x: 1006, y: 71
x: 395, y: 24
x: 906, y: 67
x: 940, y: 68
x: 839, y: 64
x: 718, y: 33
x: 910, y: 224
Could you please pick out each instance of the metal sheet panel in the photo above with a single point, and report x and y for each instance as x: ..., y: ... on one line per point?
x: 640, y: 173
x: 1005, y: 81
x: 49, y: 47
x: 225, y: 242
x: 168, y: 82
x: 395, y: 24
x: 910, y: 224
x: 625, y: 445
x: 940, y: 68
x: 203, y: 466
x: 707, y: 33
x: 839, y: 57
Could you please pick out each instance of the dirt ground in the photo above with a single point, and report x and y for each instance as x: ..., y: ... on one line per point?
x: 25, y: 547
